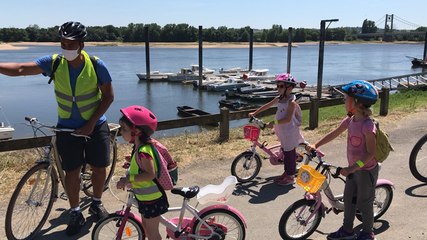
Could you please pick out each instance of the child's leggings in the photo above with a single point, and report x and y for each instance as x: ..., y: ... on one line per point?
x: 289, y: 158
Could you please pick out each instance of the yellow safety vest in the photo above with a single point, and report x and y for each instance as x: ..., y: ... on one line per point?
x: 87, y: 95
x: 146, y: 190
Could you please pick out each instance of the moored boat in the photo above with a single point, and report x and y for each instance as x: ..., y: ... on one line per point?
x: 230, y: 83
x: 257, y: 74
x: 183, y: 75
x: 154, y: 76
x: 6, y: 130
x: 187, y: 111
x: 236, y: 105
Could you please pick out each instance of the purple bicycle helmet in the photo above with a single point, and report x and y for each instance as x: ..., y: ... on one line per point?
x: 362, y: 91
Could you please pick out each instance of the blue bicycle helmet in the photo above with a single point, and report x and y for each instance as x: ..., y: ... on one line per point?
x: 362, y: 91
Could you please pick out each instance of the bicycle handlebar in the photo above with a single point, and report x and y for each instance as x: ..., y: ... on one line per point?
x: 34, y: 122
x: 258, y: 122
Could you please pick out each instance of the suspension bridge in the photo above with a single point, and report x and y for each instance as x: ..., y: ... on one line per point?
x: 391, y: 25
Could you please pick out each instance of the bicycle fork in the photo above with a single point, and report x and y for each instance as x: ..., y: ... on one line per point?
x: 36, y: 182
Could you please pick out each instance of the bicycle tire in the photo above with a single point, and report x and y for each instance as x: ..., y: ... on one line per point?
x: 225, y: 222
x: 383, y: 199
x: 22, y: 228
x: 240, y: 169
x: 300, y: 232
x: 108, y: 227
x: 418, y: 162
x: 87, y: 173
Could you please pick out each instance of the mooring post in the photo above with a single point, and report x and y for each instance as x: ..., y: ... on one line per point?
x: 200, y: 57
x: 251, y: 48
x: 147, y: 53
x: 384, y: 101
x: 314, y: 114
x: 288, y: 69
x: 224, y: 125
x: 425, y: 48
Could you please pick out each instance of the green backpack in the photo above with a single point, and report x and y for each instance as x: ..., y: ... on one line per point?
x: 383, y: 147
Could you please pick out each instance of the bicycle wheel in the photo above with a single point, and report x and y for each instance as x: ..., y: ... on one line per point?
x: 224, y: 222
x: 246, y: 166
x: 87, y: 171
x: 293, y: 223
x: 108, y: 227
x: 31, y: 202
x: 383, y: 198
x: 418, y: 160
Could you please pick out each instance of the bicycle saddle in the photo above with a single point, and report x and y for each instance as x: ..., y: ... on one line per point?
x: 187, y: 192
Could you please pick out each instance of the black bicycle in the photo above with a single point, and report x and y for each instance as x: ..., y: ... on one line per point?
x: 418, y: 160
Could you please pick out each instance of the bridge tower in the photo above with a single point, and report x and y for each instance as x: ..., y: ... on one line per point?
x: 388, y: 29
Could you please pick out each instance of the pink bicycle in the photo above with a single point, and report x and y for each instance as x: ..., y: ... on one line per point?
x: 219, y: 221
x: 247, y: 164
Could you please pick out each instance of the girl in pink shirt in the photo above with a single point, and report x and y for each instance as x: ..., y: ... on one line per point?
x: 362, y: 170
x: 286, y: 125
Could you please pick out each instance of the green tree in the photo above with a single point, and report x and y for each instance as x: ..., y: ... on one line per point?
x: 369, y: 26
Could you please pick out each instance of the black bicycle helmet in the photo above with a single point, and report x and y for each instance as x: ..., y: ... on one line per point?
x: 72, y: 31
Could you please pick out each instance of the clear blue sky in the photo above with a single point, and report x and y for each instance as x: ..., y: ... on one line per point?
x: 214, y: 13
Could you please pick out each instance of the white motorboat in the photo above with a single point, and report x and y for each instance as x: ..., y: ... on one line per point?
x: 230, y: 71
x: 6, y: 130
x: 257, y: 74
x: 154, y: 76
x: 184, y: 75
x: 195, y: 69
x: 230, y: 83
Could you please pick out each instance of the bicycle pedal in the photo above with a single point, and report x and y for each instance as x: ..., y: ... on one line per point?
x: 63, y: 196
x: 337, y: 211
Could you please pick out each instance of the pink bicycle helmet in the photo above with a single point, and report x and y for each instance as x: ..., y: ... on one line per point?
x: 141, y: 117
x: 286, y: 78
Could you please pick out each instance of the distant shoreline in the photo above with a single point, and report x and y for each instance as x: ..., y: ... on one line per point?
x: 25, y: 45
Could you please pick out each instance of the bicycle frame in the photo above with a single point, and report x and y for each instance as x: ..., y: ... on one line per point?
x: 55, y: 166
x: 334, y: 200
x: 176, y: 226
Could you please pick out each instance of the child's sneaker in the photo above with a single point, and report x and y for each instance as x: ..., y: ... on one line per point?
x: 288, y: 180
x: 366, y: 236
x: 281, y: 177
x: 341, y: 234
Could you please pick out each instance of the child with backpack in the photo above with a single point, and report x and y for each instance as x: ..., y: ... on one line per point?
x: 136, y: 126
x: 362, y: 170
x: 286, y: 125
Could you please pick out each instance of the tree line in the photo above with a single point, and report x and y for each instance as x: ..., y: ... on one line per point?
x: 135, y: 32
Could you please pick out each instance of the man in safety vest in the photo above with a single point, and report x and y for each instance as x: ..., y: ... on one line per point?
x: 83, y: 93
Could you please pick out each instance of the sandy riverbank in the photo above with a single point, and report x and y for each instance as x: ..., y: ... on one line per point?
x: 25, y: 45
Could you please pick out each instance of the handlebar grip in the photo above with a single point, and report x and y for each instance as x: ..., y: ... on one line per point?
x: 30, y: 119
x: 337, y: 173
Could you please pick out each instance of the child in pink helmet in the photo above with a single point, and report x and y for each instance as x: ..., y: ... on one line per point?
x: 286, y: 125
x: 136, y: 126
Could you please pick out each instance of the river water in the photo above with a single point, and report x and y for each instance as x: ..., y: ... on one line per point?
x: 32, y: 96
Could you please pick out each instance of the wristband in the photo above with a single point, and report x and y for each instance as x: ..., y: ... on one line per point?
x: 276, y: 122
x: 360, y: 163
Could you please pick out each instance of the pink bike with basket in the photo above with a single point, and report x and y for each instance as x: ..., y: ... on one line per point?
x: 247, y: 165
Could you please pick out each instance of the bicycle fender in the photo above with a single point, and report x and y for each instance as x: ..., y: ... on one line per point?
x: 383, y: 181
x: 220, y: 206
x: 137, y: 217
